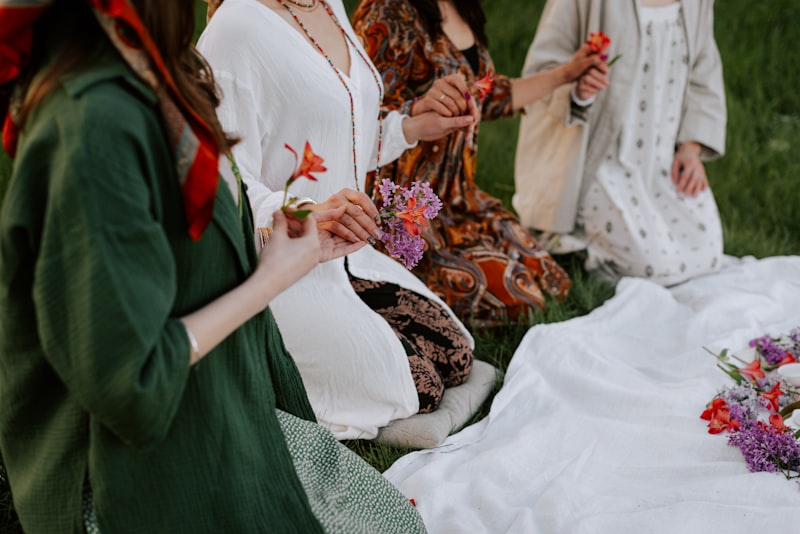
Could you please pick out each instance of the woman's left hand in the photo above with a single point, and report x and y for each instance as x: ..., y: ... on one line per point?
x: 688, y: 172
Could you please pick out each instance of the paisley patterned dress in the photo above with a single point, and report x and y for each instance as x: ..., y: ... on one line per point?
x: 479, y: 259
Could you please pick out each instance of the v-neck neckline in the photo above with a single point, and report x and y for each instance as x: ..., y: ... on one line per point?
x: 310, y: 46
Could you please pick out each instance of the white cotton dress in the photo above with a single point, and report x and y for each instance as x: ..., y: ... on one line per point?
x: 278, y: 89
x: 634, y: 222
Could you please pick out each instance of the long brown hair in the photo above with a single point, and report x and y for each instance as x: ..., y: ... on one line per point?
x: 469, y: 10
x: 72, y: 26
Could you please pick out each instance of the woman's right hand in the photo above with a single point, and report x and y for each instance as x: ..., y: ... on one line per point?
x: 286, y: 259
x: 582, y: 61
x: 449, y: 96
x: 348, y: 214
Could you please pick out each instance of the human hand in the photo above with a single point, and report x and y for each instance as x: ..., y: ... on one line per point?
x: 348, y: 214
x: 688, y: 172
x: 430, y: 126
x: 592, y: 82
x: 286, y: 259
x: 583, y: 60
x: 331, y: 245
x: 212, y: 7
x: 449, y: 96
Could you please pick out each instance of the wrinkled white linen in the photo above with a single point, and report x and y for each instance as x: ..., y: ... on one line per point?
x: 596, y: 428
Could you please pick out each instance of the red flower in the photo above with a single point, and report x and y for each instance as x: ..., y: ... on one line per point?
x: 722, y: 421
x: 716, y: 405
x: 752, y: 371
x: 413, y: 217
x: 772, y: 397
x: 776, y: 422
x: 485, y: 84
x: 789, y: 358
x: 310, y: 163
x: 599, y: 42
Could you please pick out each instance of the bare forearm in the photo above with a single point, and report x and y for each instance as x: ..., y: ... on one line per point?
x: 212, y: 323
x: 531, y: 88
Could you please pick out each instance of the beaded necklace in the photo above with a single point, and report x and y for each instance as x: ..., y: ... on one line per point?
x: 369, y: 65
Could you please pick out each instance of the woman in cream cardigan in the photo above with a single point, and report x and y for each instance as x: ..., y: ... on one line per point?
x: 620, y: 173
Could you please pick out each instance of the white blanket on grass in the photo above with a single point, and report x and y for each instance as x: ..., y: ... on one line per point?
x: 596, y: 429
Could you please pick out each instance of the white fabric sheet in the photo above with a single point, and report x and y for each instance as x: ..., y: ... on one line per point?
x: 597, y: 429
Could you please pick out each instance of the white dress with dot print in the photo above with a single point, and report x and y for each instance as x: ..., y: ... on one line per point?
x: 635, y: 221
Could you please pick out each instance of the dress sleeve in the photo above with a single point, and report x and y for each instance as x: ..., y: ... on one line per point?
x: 560, y: 32
x: 498, y: 103
x: 238, y: 114
x: 105, y: 277
x: 704, y: 110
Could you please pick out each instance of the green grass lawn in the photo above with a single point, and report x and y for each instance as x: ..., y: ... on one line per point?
x: 755, y: 183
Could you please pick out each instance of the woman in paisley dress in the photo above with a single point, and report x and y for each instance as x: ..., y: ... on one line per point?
x: 480, y: 260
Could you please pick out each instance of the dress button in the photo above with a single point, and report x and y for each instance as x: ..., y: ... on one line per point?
x: 435, y: 149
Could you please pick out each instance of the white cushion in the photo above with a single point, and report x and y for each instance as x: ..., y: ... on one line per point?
x: 459, y: 403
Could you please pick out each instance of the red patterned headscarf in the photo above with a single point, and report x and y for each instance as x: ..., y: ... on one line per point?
x: 194, y: 145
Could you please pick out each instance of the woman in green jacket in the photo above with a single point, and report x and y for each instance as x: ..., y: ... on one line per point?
x: 135, y: 391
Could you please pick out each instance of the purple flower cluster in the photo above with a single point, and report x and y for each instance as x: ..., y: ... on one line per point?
x: 766, y: 449
x: 401, y: 243
x: 768, y: 349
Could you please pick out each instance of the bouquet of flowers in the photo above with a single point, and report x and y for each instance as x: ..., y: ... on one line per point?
x: 403, y: 213
x: 753, y: 410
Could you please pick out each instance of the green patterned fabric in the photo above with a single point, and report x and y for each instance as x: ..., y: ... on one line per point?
x: 347, y: 495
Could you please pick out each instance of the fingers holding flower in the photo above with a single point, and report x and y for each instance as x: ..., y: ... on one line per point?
x: 448, y: 96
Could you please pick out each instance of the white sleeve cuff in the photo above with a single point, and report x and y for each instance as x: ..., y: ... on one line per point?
x: 579, y: 102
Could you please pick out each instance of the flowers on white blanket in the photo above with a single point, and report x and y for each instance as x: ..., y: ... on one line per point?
x: 756, y: 409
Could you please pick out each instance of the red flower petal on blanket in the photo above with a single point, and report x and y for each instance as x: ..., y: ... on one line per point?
x: 776, y: 422
x: 789, y: 358
x: 752, y: 371
x: 772, y: 398
x: 413, y: 217
x: 716, y: 404
x: 311, y: 162
x: 722, y: 421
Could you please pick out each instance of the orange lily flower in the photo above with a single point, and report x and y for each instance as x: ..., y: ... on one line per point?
x: 722, y: 421
x: 752, y: 371
x: 789, y: 358
x: 716, y: 405
x: 599, y: 42
x: 311, y: 163
x: 485, y: 85
x: 772, y: 397
x: 413, y: 217
x: 776, y: 421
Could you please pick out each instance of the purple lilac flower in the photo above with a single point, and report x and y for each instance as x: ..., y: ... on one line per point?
x: 399, y: 243
x: 745, y: 397
x: 768, y: 349
x: 766, y: 449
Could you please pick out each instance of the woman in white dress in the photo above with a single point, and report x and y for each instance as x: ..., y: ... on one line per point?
x: 632, y: 189
x: 372, y: 343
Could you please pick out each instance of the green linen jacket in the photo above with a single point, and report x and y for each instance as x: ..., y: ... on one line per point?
x: 96, y: 267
